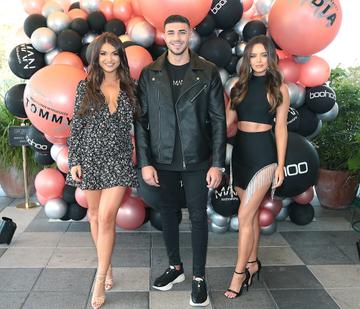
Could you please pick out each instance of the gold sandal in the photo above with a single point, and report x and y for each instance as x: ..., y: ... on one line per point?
x: 109, y: 283
x: 98, y: 301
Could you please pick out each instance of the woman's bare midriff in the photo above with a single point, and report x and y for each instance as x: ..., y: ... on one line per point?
x: 248, y: 126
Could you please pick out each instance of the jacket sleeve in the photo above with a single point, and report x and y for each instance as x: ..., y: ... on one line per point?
x: 143, y: 151
x: 217, y: 118
x: 76, y: 128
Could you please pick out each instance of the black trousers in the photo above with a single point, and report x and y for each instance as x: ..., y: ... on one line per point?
x: 196, y: 193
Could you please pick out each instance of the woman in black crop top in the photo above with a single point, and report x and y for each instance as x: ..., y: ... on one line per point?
x: 258, y: 156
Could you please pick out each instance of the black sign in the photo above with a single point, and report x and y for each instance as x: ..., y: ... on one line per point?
x: 17, y: 135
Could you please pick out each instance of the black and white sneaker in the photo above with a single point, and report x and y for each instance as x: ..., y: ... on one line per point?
x: 199, y: 296
x: 171, y: 275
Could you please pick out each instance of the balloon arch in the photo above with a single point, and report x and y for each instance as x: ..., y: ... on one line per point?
x: 55, y: 53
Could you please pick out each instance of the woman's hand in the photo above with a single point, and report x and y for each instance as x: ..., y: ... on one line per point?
x: 278, y: 177
x: 76, y: 173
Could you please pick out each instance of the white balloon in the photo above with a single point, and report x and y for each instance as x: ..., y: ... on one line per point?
x: 218, y: 229
x: 143, y: 33
x: 263, y: 6
x: 230, y: 83
x: 43, y: 39
x: 229, y: 149
x: 50, y: 7
x: 239, y: 26
x: 195, y: 41
x: 239, y: 48
x: 330, y: 115
x: 58, y: 21
x: 224, y: 75
x: 55, y: 149
x: 55, y: 208
x: 234, y: 224
x: 49, y: 57
x: 89, y: 5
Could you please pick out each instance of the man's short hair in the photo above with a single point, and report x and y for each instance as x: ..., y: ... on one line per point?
x: 176, y: 19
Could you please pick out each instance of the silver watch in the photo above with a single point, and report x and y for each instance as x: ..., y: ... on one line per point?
x: 222, y: 169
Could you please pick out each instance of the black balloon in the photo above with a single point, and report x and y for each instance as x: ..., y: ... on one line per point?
x: 33, y: 22
x: 69, y: 194
x: 226, y: 13
x: 25, y: 60
x: 293, y: 120
x: 225, y: 200
x: 231, y: 67
x: 80, y: 25
x: 252, y: 29
x: 76, y: 212
x: 301, y: 166
x: 43, y: 158
x: 115, y: 26
x: 320, y: 99
x: 301, y: 214
x: 75, y: 5
x: 37, y: 140
x: 230, y: 36
x: 83, y: 54
x: 96, y: 21
x: 156, y: 50
x: 69, y: 40
x: 155, y: 218
x: 216, y: 50
x: 130, y: 43
x: 207, y: 26
x: 308, y: 121
x: 14, y: 101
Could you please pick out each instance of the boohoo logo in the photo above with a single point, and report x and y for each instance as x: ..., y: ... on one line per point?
x: 32, y: 143
x: 218, y: 6
x: 322, y: 94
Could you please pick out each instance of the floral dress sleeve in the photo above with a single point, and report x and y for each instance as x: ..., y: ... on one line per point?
x: 76, y: 128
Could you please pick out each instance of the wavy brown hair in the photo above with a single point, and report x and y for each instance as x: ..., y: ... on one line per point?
x: 92, y: 97
x: 274, y: 78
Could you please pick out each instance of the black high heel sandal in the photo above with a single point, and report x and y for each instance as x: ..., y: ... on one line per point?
x: 245, y: 283
x: 257, y: 272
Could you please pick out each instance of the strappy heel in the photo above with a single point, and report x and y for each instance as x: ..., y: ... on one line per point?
x: 98, y: 301
x: 244, y: 284
x: 255, y: 273
x: 109, y: 282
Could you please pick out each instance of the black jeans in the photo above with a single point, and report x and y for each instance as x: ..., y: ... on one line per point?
x: 196, y: 193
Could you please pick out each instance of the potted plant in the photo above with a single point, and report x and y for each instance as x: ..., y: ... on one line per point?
x: 338, y: 143
x: 11, y: 163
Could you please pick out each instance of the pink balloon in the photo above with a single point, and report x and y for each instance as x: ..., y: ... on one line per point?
x: 77, y: 13
x: 136, y: 7
x: 290, y: 70
x: 159, y: 37
x: 49, y: 183
x: 156, y: 11
x: 131, y: 22
x: 304, y: 27
x: 56, y: 140
x: 250, y: 13
x: 305, y: 197
x: 247, y: 4
x: 282, y: 54
x: 81, y: 198
x: 274, y: 205
x: 122, y: 10
x: 68, y: 58
x: 33, y: 6
x: 266, y: 217
x: 315, y: 72
x: 138, y: 57
x: 41, y: 199
x: 131, y: 213
x: 106, y: 7
x: 49, y: 98
x: 62, y: 160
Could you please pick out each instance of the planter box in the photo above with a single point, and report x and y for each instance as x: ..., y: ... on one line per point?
x: 12, y: 183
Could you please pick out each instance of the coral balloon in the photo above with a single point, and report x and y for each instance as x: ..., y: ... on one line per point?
x: 274, y: 205
x: 315, y: 72
x: 156, y: 11
x: 282, y: 54
x: 290, y: 70
x: 81, y: 198
x: 77, y: 13
x: 247, y: 4
x: 33, y: 6
x: 49, y: 183
x: 106, y: 7
x: 49, y: 98
x: 304, y: 27
x: 62, y: 160
x: 56, y: 140
x: 41, y: 199
x: 266, y: 217
x: 136, y: 7
x: 138, y: 57
x: 305, y: 197
x: 131, y: 214
x: 159, y: 37
x: 68, y: 58
x: 131, y: 22
x: 122, y: 10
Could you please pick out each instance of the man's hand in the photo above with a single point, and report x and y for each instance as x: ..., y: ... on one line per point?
x: 213, y: 177
x: 150, y: 176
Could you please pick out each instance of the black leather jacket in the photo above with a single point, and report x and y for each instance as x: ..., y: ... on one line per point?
x: 199, y: 112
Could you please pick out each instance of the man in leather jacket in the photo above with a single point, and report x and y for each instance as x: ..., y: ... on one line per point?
x: 181, y: 136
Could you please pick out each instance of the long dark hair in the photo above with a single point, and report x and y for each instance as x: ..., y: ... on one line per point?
x: 273, y: 76
x: 93, y: 98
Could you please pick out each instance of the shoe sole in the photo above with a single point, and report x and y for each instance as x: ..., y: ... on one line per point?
x: 205, y: 303
x: 169, y: 286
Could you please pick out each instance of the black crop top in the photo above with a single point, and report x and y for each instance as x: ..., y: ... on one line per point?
x: 255, y: 107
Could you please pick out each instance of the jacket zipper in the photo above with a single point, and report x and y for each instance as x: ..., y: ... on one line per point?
x: 201, y: 90
x: 159, y: 125
x: 178, y: 122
